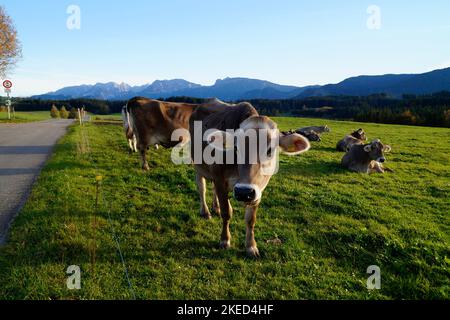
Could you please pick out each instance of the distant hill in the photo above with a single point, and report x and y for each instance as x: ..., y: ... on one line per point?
x: 391, y: 84
x: 225, y: 89
x: 245, y: 88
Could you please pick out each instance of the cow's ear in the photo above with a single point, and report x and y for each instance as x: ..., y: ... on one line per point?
x: 294, y: 144
x: 387, y: 148
x: 220, y: 140
x: 368, y: 148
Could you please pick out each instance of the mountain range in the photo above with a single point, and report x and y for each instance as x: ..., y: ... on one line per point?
x: 244, y: 88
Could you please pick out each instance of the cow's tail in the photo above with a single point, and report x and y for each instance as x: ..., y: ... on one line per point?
x: 126, y: 119
x: 131, y: 121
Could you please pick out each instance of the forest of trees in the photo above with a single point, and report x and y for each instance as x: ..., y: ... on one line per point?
x: 427, y: 110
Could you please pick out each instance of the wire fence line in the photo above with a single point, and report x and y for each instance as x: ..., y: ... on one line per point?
x: 100, y: 201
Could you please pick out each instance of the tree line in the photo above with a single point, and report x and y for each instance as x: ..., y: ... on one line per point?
x: 424, y: 110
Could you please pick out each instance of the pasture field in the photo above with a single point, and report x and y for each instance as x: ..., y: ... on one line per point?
x: 319, y: 227
x: 25, y: 116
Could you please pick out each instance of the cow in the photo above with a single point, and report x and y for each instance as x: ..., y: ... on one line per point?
x: 129, y: 134
x: 310, y: 135
x: 367, y: 158
x: 356, y: 137
x: 318, y: 130
x: 153, y: 123
x: 246, y: 179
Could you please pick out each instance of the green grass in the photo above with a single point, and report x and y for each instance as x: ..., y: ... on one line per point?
x: 332, y: 225
x: 25, y: 116
x: 110, y: 117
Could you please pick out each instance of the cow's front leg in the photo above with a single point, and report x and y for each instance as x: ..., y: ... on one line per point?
x: 143, y: 152
x: 375, y: 167
x: 130, y: 146
x: 215, y: 204
x: 201, y: 186
x: 226, y: 212
x: 250, y: 220
x: 135, y: 149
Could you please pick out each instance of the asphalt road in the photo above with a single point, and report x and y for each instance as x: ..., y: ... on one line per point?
x: 24, y: 149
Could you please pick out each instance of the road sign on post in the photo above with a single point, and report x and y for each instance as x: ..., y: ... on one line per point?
x: 7, y: 84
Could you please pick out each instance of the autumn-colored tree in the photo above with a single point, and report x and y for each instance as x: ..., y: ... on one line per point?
x: 73, y: 113
x: 407, y: 117
x: 63, y: 113
x: 54, y: 112
x: 10, y: 49
x: 447, y: 117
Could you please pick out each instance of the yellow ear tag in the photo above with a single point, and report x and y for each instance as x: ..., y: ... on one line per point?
x: 98, y: 178
x: 292, y: 149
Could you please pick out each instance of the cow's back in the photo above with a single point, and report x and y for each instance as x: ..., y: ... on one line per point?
x: 222, y: 116
x: 154, y: 121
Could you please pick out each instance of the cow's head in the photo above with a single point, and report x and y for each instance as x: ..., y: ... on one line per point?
x: 376, y: 150
x: 359, y: 134
x: 256, y: 144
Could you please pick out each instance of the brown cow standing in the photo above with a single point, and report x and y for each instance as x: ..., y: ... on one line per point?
x: 247, y: 179
x: 153, y: 123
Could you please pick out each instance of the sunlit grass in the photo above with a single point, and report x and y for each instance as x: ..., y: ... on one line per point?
x: 329, y: 225
x: 25, y: 116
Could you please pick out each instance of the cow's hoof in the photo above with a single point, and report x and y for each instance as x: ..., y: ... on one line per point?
x: 146, y: 167
x: 225, y: 244
x: 216, y: 210
x: 206, y: 216
x: 253, y: 252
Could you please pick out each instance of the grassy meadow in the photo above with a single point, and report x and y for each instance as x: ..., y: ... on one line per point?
x: 319, y: 226
x: 25, y: 116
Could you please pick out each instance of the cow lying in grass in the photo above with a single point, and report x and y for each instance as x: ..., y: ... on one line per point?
x: 129, y: 134
x: 310, y: 135
x: 248, y: 163
x: 319, y: 130
x: 356, y: 137
x: 367, y: 158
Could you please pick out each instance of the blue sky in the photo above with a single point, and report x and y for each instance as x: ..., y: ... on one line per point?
x: 286, y: 41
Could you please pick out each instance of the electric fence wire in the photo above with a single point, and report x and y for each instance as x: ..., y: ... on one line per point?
x: 85, y: 139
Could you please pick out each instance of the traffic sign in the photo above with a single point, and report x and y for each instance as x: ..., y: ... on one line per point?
x: 7, y: 84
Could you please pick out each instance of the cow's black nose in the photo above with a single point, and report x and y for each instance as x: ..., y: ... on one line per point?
x: 244, y: 193
x: 382, y: 160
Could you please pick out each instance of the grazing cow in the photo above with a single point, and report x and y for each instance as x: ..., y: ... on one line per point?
x: 318, y: 130
x: 356, y: 137
x: 246, y: 178
x: 129, y: 134
x: 366, y: 158
x: 153, y: 123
